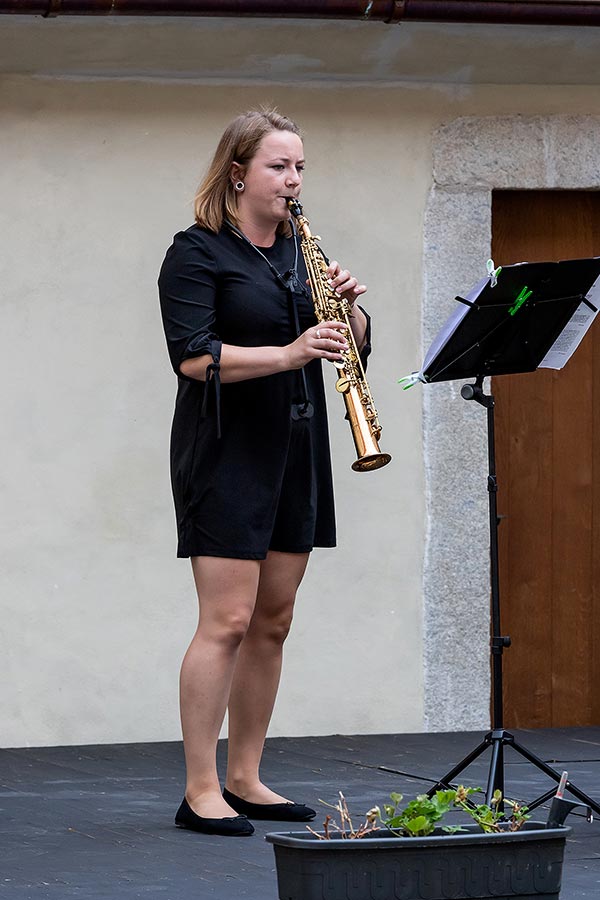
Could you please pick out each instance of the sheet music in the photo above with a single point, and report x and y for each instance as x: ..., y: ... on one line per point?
x: 572, y: 335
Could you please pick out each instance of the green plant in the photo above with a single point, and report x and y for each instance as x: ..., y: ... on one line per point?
x: 421, y: 816
x: 492, y: 818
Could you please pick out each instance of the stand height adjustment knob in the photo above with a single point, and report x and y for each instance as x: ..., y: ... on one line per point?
x: 499, y: 643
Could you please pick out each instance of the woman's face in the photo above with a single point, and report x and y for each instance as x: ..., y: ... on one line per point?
x: 274, y: 173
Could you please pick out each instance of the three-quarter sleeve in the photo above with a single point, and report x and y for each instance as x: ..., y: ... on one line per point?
x: 187, y: 287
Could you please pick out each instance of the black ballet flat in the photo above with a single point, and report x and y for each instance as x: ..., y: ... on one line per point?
x: 273, y: 812
x: 229, y: 826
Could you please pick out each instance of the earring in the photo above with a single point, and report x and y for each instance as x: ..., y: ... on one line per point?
x: 239, y: 186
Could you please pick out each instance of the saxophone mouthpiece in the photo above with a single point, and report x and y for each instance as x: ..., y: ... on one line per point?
x: 294, y: 206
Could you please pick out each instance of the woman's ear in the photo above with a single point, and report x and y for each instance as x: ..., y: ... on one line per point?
x: 237, y: 172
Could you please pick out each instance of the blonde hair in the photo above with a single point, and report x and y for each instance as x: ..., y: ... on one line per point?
x: 215, y: 199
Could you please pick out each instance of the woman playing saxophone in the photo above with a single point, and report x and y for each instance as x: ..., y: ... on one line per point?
x: 250, y: 463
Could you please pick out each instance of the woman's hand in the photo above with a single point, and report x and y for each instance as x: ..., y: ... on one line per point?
x: 344, y: 283
x: 323, y: 341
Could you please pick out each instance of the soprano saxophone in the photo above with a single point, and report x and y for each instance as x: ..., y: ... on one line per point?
x: 351, y: 383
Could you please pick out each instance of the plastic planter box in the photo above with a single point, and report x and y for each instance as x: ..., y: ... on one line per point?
x: 507, y: 866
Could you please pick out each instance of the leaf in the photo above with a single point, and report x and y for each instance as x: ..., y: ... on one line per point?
x: 452, y: 829
x: 421, y: 806
x: 446, y: 797
x: 395, y: 822
x: 419, y: 826
x: 396, y: 798
x: 441, y: 803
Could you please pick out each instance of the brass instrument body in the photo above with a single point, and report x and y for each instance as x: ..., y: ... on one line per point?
x: 352, y: 382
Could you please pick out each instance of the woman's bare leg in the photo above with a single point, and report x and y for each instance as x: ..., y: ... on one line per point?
x: 227, y: 590
x: 257, y: 673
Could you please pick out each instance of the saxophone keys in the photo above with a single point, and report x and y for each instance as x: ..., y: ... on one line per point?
x: 342, y: 385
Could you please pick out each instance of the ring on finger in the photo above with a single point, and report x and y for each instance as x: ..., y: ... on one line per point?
x: 318, y: 334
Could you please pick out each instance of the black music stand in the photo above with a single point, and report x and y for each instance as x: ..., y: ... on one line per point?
x: 532, y: 314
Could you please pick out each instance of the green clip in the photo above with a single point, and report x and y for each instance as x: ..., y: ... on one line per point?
x: 523, y: 296
x: 410, y: 380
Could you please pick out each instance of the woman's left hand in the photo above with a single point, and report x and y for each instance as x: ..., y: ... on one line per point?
x: 344, y: 283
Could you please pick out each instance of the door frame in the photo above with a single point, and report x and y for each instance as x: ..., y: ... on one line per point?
x: 472, y: 156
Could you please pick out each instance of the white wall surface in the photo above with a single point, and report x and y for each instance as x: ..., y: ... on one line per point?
x: 96, y: 610
x: 96, y: 177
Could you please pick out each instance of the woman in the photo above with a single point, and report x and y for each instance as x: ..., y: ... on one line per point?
x: 250, y: 461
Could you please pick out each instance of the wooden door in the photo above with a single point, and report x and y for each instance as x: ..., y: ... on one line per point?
x: 548, y: 461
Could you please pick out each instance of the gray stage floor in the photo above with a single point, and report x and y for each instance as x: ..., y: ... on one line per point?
x: 97, y: 821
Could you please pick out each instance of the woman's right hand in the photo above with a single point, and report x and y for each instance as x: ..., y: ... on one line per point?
x: 323, y: 341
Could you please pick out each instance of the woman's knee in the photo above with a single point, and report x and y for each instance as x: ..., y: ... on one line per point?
x: 273, y: 625
x: 227, y: 591
x: 279, y: 629
x: 280, y: 577
x: 229, y: 627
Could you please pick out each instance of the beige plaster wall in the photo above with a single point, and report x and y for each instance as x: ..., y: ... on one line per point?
x: 96, y: 176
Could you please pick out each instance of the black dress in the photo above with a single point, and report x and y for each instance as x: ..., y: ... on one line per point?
x: 248, y: 473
